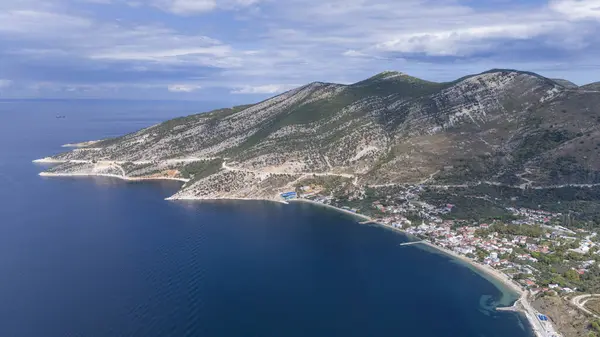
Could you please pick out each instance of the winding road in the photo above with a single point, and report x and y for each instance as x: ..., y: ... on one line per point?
x: 354, y: 177
x: 581, y: 300
x: 303, y: 175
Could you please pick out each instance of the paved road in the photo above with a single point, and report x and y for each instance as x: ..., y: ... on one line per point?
x: 303, y: 174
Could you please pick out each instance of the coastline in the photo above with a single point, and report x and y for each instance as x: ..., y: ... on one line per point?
x: 50, y: 174
x: 487, y: 270
x: 521, y: 305
x: 174, y: 198
x: 361, y: 216
x: 48, y: 160
x: 137, y: 179
x: 497, y: 275
x: 81, y: 145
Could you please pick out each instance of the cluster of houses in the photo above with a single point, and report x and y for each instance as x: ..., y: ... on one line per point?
x: 585, y: 245
x: 462, y: 239
x: 494, y: 249
x: 528, y: 216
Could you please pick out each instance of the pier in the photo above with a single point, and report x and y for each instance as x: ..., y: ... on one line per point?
x: 411, y: 243
x: 514, y: 307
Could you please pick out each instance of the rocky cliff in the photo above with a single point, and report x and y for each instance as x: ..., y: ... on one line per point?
x: 499, y: 127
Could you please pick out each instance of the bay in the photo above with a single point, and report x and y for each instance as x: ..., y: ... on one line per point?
x: 101, y: 257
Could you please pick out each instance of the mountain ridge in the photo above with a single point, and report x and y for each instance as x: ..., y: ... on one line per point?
x: 591, y: 86
x: 565, y: 83
x: 501, y: 127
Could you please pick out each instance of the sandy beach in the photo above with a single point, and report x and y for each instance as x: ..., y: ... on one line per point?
x: 360, y: 216
x: 508, y: 282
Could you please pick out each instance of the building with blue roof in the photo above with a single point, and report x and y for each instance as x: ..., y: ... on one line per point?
x: 289, y: 195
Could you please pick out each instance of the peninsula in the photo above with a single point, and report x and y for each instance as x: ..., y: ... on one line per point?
x: 474, y: 166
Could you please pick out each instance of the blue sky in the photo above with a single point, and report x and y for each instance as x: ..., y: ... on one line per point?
x: 244, y: 50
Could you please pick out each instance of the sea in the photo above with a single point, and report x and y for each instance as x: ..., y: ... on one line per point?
x: 99, y: 257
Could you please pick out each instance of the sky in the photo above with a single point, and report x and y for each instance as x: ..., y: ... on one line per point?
x: 244, y: 50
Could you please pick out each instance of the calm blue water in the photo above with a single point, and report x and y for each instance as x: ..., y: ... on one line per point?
x: 100, y: 257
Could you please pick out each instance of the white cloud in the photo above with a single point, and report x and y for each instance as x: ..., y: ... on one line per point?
x: 577, y: 9
x: 188, y: 7
x: 104, y: 2
x: 355, y: 53
x: 183, y: 87
x: 285, y: 42
x: 109, y: 87
x: 369, y: 54
x: 263, y: 89
x: 193, y: 7
x: 152, y: 53
x: 361, y: 29
x: 84, y: 37
x: 36, y: 24
x: 462, y: 42
x: 4, y: 83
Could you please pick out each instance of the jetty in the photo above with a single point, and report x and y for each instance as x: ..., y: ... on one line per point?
x: 411, y: 243
x: 514, y: 307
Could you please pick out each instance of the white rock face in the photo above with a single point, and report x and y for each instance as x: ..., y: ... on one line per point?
x: 391, y: 128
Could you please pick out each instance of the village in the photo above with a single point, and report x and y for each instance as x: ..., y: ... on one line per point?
x: 533, y: 248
